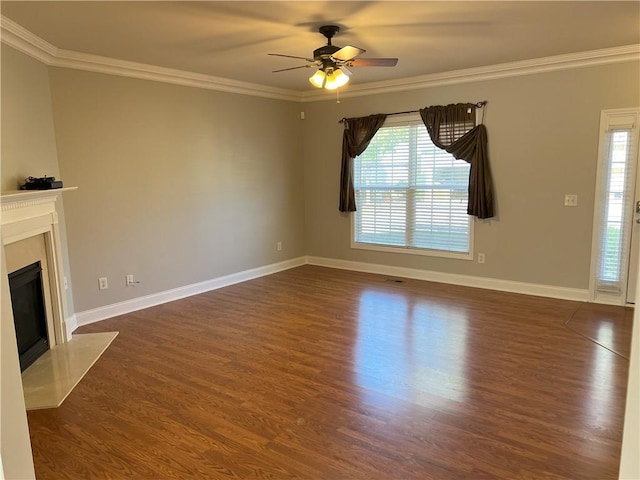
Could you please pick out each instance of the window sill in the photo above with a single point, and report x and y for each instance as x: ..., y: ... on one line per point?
x: 412, y: 251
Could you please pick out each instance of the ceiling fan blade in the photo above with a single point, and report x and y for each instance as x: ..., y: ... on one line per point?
x: 291, y: 56
x: 292, y: 68
x: 348, y: 53
x: 373, y: 62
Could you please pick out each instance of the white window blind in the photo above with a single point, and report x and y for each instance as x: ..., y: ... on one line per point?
x: 616, y: 180
x: 411, y: 194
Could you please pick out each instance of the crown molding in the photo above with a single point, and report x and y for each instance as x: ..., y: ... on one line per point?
x: 628, y: 53
x: 26, y: 42
x: 124, y: 68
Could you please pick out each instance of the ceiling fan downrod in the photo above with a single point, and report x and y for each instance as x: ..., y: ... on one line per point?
x: 329, y: 31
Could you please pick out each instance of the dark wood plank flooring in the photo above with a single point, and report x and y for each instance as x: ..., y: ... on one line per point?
x: 610, y: 328
x: 318, y: 373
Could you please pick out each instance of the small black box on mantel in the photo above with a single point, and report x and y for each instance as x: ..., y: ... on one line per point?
x: 42, y: 183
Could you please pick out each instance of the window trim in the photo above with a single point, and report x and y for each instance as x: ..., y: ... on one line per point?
x: 411, y: 119
x: 609, y: 120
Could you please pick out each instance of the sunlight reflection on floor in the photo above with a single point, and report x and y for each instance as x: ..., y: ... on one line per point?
x: 404, y: 348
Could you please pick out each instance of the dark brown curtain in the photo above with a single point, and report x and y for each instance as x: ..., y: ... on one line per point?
x: 453, y: 129
x: 358, y: 132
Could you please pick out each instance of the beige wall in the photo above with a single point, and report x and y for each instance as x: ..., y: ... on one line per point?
x: 543, y: 139
x: 177, y: 185
x: 28, y: 144
x: 28, y: 140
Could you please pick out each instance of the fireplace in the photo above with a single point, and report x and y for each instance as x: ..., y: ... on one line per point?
x: 31, y: 243
x: 29, y: 315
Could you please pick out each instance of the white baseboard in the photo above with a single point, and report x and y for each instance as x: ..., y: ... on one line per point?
x: 456, y: 279
x: 128, y: 306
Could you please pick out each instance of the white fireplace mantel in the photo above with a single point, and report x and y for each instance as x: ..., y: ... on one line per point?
x: 27, y: 213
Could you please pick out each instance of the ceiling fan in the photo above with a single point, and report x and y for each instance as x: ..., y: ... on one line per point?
x: 333, y: 62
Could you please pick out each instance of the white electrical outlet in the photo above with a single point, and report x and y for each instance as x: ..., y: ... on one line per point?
x: 129, y: 280
x: 102, y: 283
x: 481, y: 258
x: 279, y: 246
x: 570, y: 200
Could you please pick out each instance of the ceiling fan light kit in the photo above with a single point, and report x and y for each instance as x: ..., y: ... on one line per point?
x: 318, y: 79
x: 329, y: 78
x: 337, y: 79
x: 332, y: 61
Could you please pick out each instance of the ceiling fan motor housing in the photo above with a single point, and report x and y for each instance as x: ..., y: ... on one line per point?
x: 325, y: 52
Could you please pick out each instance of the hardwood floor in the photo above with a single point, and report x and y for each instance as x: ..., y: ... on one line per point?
x: 607, y: 327
x: 317, y: 373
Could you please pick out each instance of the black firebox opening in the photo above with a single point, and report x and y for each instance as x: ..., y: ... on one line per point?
x: 28, y: 313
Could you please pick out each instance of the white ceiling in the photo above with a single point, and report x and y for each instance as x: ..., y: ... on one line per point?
x: 231, y: 39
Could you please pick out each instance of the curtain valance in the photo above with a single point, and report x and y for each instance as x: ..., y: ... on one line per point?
x: 452, y: 128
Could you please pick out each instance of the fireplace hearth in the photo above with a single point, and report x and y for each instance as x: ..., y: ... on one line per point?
x: 27, y: 300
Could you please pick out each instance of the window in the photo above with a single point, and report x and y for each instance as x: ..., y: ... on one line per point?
x: 411, y: 196
x: 613, y: 219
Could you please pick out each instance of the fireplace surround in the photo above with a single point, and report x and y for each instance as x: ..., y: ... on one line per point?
x: 27, y: 215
